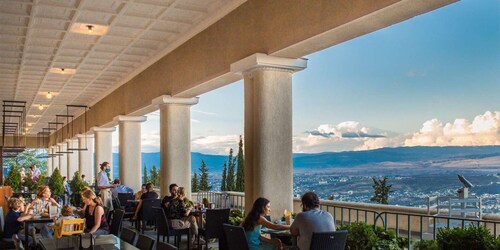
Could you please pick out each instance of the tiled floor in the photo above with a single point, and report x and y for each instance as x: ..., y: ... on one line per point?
x: 152, y: 233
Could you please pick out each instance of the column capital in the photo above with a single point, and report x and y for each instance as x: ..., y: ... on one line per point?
x: 167, y: 99
x: 130, y: 118
x: 261, y: 60
x: 71, y: 140
x: 84, y: 136
x: 99, y: 129
x: 61, y: 144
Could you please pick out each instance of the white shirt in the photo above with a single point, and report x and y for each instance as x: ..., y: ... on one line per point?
x: 102, y: 179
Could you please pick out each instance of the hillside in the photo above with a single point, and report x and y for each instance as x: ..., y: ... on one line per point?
x: 470, y: 157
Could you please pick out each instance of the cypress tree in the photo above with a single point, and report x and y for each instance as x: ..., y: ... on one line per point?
x: 146, y: 179
x: 223, y: 185
x: 230, y: 182
x: 154, y: 176
x: 203, y: 185
x: 240, y: 171
x: 56, y: 183
x: 194, y: 183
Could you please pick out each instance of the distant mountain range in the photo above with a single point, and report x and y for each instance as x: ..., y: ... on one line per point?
x: 470, y: 157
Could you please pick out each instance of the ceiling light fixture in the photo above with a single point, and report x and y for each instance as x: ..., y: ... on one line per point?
x: 49, y: 95
x: 89, y: 29
x: 40, y: 107
x: 64, y: 71
x: 29, y: 124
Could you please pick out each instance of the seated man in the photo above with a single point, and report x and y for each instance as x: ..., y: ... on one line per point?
x: 179, y: 216
x: 173, y: 188
x: 119, y: 188
x: 312, y: 219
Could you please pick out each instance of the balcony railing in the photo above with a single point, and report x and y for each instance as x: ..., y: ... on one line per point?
x: 411, y: 222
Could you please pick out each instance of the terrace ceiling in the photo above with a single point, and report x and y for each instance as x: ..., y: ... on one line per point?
x: 35, y: 37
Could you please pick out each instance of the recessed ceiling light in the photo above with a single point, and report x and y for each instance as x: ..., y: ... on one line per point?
x: 40, y: 107
x: 89, y: 29
x: 49, y: 95
x: 29, y: 124
x: 64, y: 71
x: 35, y: 116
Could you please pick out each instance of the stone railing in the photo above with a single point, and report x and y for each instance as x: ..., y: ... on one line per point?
x: 411, y: 222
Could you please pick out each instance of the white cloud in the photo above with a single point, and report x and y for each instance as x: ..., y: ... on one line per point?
x: 484, y: 130
x: 219, y: 145
x: 348, y: 129
x: 151, y: 141
x: 387, y: 142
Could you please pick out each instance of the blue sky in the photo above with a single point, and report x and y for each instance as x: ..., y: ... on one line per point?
x: 433, y: 80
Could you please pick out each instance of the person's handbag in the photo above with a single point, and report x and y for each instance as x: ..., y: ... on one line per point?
x: 86, y: 241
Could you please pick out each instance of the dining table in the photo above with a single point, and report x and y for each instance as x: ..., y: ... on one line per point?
x: 35, y: 220
x: 101, y: 242
x: 283, y: 235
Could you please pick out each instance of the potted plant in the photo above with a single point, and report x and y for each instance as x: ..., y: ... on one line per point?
x: 206, y: 203
x: 56, y: 184
x: 77, y: 185
x: 14, y: 178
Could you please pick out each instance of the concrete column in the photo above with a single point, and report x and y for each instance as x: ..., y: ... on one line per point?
x: 72, y: 158
x: 63, y: 158
x: 49, y: 161
x: 85, y: 163
x: 175, y: 141
x: 55, y: 159
x: 103, y: 147
x: 130, y: 150
x: 268, y: 129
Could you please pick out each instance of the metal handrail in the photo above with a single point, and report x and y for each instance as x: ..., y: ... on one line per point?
x: 382, y: 217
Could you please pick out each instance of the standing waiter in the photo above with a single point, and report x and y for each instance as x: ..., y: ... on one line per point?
x: 104, y: 185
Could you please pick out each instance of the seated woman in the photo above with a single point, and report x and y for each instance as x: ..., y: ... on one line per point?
x: 254, y: 221
x: 149, y: 194
x: 40, y: 205
x: 178, y: 213
x: 95, y: 220
x: 137, y: 196
x: 14, y: 220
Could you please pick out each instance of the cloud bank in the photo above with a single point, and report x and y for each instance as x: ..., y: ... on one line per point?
x: 483, y: 130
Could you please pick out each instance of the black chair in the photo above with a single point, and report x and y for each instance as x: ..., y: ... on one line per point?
x: 123, y: 198
x: 116, y: 223
x: 145, y: 242
x: 147, y: 214
x: 5, y: 244
x: 213, y: 228
x: 163, y: 228
x: 235, y: 237
x: 128, y: 235
x: 165, y: 246
x: 329, y: 240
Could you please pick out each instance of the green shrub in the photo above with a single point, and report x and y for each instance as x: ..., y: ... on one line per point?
x: 360, y: 236
x: 56, y: 183
x: 236, y: 217
x: 77, y: 185
x: 425, y: 245
x: 14, y: 178
x: 386, y: 239
x: 472, y: 237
